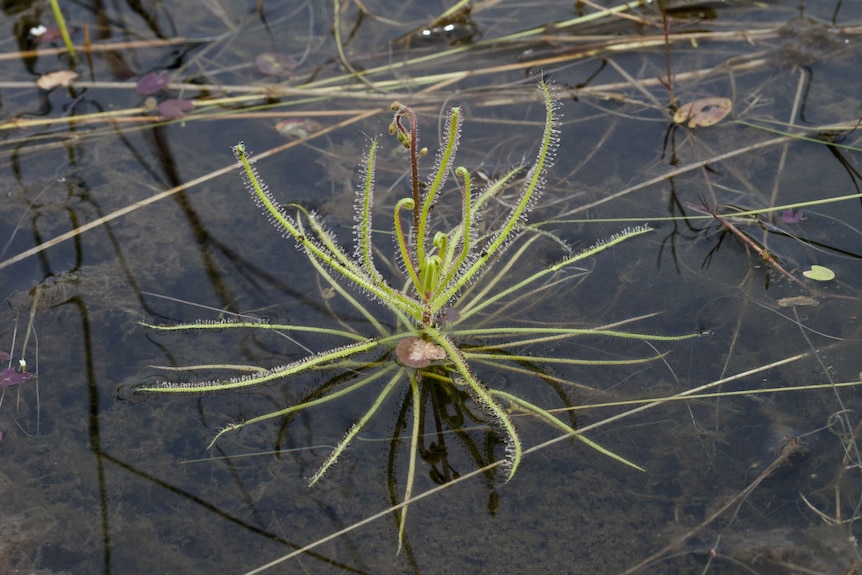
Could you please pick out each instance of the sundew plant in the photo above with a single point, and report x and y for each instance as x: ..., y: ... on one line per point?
x: 428, y: 323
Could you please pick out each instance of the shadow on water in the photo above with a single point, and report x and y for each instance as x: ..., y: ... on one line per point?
x: 116, y: 212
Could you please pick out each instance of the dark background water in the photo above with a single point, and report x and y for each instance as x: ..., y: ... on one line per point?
x: 92, y: 482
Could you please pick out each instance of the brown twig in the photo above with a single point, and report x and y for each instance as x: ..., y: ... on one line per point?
x: 764, y: 254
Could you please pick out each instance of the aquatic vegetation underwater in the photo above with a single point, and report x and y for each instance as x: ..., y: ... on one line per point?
x: 445, y: 294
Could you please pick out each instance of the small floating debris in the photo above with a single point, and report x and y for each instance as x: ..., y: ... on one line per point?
x: 800, y: 300
x: 792, y: 216
x: 274, y: 64
x: 152, y: 83
x: 298, y: 128
x: 174, y: 108
x: 703, y: 112
x: 51, y: 80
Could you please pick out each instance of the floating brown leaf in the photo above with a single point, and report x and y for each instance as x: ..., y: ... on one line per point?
x: 51, y: 80
x: 274, y: 64
x: 297, y: 127
x: 703, y: 112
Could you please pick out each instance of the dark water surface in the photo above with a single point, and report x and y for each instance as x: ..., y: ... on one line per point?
x: 96, y: 480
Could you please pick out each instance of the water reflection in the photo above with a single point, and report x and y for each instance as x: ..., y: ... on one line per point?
x: 94, y: 484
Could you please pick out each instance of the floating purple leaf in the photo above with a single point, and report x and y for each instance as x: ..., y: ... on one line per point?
x: 173, y: 108
x: 791, y: 216
x: 274, y: 64
x: 152, y: 83
x: 11, y: 377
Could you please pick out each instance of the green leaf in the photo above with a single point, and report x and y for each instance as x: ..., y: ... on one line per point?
x: 819, y: 274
